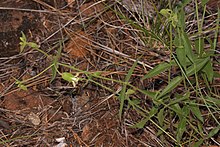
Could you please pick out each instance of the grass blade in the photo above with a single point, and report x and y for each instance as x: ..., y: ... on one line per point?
x: 141, y: 124
x: 157, y: 70
x: 181, y: 56
x: 208, y: 70
x: 123, y: 91
x: 199, y: 64
x: 173, y: 84
x: 187, y: 46
x: 196, y: 111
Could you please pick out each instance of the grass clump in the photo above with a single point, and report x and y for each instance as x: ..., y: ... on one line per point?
x: 181, y: 109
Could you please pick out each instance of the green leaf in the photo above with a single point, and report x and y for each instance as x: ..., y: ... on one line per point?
x: 23, y: 42
x: 54, y: 71
x: 216, y: 74
x: 204, y: 2
x: 161, y: 131
x: 181, y: 129
x: 55, y: 62
x: 166, y: 12
x: 181, y: 56
x: 97, y: 73
x: 67, y: 76
x: 198, y: 143
x: 157, y: 70
x: 213, y: 131
x: 22, y: 46
x: 22, y: 86
x: 187, y: 46
x: 213, y: 100
x: 152, y: 112
x: 179, y: 99
x: 183, y: 3
x: 150, y: 94
x: 177, y: 42
x: 177, y: 109
x: 181, y: 19
x: 23, y: 37
x: 173, y: 84
x: 142, y: 123
x: 174, y: 20
x: 33, y: 45
x: 122, y: 95
x: 161, y: 117
x: 196, y: 111
x: 197, y: 66
x: 129, y: 92
x: 208, y: 70
x: 133, y: 102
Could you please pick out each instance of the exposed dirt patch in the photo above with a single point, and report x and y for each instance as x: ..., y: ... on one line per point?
x: 78, y: 44
x: 15, y: 21
x: 21, y: 100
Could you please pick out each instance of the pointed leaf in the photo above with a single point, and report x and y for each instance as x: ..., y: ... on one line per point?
x: 180, y: 99
x: 55, y: 62
x: 161, y: 117
x: 199, y: 64
x: 150, y: 94
x: 198, y: 143
x: 187, y: 46
x: 208, y: 70
x: 185, y: 2
x: 181, y: 19
x: 67, y: 76
x: 54, y: 72
x: 141, y: 124
x: 33, y: 45
x: 97, y: 73
x: 177, y: 109
x: 213, y: 100
x: 129, y: 92
x: 213, y: 132
x: 133, y: 102
x: 204, y: 2
x: 23, y: 37
x: 22, y: 46
x: 181, y: 56
x: 173, y: 84
x: 122, y: 95
x: 157, y: 70
x: 181, y: 129
x: 196, y: 111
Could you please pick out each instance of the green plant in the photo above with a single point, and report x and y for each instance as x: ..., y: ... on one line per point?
x: 53, y: 66
x: 185, y: 99
x: 179, y: 110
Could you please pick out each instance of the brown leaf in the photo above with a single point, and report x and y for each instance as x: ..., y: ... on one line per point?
x: 78, y: 44
x: 91, y: 8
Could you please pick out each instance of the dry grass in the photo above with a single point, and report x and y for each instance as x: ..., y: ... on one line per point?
x: 94, y: 39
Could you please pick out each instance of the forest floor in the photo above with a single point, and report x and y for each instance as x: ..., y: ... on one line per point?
x: 87, y: 38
